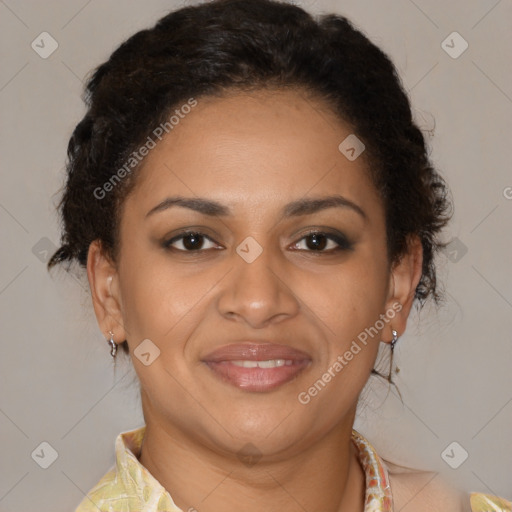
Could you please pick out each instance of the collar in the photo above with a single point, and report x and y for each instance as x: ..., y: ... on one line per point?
x: 378, y: 497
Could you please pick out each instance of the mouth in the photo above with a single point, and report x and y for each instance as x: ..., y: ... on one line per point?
x: 257, y: 367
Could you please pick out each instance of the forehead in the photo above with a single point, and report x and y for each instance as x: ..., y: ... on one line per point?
x: 249, y: 149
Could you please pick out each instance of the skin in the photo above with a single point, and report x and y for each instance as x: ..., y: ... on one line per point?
x: 253, y: 153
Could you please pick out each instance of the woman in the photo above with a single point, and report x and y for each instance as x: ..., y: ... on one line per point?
x: 256, y: 211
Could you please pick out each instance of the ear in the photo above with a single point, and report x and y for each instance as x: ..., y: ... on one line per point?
x: 106, y: 297
x: 404, y: 278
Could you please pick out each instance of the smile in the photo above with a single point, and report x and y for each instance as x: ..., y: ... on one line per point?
x: 257, y: 367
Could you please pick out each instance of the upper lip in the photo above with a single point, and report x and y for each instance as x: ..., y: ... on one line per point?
x: 255, y: 351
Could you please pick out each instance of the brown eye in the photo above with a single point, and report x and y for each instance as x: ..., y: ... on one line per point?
x: 190, y: 241
x: 318, y: 241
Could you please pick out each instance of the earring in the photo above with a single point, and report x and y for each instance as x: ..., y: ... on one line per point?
x: 389, y: 377
x: 394, y: 340
x: 393, y: 343
x: 113, y: 344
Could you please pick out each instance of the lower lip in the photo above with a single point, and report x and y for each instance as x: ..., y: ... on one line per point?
x: 256, y: 379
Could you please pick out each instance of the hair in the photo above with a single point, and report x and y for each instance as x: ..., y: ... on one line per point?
x: 229, y: 46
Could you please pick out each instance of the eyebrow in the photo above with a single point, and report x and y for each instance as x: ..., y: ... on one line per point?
x: 294, y: 209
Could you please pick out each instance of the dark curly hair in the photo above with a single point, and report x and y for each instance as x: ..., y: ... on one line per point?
x: 225, y: 46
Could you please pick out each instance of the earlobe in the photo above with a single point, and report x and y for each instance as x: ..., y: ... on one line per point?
x: 404, y: 279
x: 105, y: 294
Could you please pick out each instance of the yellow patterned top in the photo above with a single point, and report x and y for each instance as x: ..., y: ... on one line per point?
x: 128, y: 486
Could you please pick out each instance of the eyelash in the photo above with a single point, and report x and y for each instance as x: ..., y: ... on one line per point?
x: 343, y: 243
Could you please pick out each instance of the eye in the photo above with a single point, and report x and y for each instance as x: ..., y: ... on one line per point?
x: 317, y: 241
x: 190, y: 241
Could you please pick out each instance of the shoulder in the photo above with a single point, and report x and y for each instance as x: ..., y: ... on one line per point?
x: 131, y: 488
x: 92, y: 501
x: 423, y: 491
x: 112, y: 492
x: 481, y: 502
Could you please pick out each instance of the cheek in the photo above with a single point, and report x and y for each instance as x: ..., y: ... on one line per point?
x: 163, y: 302
x: 151, y: 296
x: 351, y: 296
x: 349, y: 305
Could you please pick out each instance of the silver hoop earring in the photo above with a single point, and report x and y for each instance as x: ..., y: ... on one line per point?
x: 113, y: 344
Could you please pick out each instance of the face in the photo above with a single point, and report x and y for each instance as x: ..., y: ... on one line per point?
x: 253, y: 266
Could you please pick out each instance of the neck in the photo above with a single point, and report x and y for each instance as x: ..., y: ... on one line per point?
x: 327, y: 477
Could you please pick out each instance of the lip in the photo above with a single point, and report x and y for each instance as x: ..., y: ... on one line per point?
x: 221, y: 362
x: 253, y: 351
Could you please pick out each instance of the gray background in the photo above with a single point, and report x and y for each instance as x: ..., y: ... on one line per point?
x: 57, y: 382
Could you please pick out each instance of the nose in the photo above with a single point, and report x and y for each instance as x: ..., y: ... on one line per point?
x: 258, y: 292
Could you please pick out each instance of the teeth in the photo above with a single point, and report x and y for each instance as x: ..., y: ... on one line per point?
x: 271, y: 363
